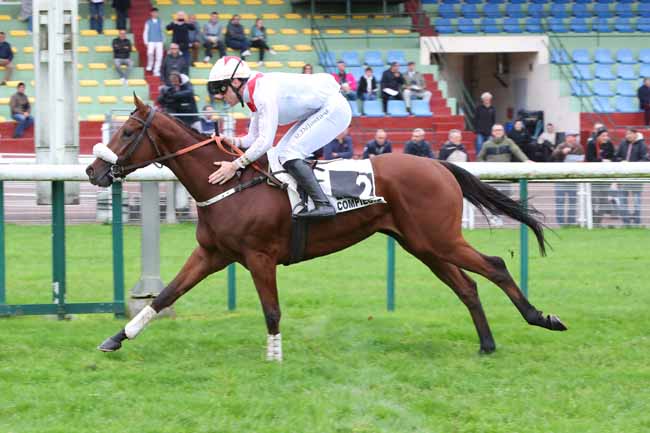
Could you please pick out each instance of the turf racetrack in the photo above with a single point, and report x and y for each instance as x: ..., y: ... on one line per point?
x: 349, y: 365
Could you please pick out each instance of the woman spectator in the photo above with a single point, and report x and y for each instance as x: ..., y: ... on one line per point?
x: 258, y: 39
x: 308, y: 69
x: 520, y: 136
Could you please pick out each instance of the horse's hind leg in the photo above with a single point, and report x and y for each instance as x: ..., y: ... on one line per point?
x: 198, y: 266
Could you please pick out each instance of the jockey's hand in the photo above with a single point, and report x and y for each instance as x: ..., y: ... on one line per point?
x: 224, y: 174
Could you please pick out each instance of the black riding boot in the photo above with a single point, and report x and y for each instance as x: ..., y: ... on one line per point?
x: 304, y: 175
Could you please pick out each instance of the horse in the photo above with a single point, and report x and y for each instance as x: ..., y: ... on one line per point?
x: 424, y: 201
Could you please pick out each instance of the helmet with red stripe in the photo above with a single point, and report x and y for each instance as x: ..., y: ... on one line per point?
x: 224, y: 71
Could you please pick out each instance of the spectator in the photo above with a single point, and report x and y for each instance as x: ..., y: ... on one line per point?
x: 154, y: 38
x: 367, y: 87
x: 195, y: 38
x: 122, y: 55
x: 520, y: 136
x: 340, y: 147
x: 500, y: 148
x: 178, y: 98
x: 418, y: 146
x: 415, y: 87
x: 307, y: 69
x: 26, y: 12
x: 549, y: 136
x: 173, y: 62
x: 631, y: 149
x: 453, y: 150
x: 258, y: 39
x: 378, y: 146
x: 485, y: 119
x: 346, y: 80
x: 96, y: 13
x: 600, y: 149
x: 212, y: 31
x: 236, y: 38
x: 6, y: 58
x: 20, y: 110
x: 391, y: 84
x: 208, y: 124
x: 566, y: 192
x: 644, y: 99
x: 121, y: 13
x: 181, y: 34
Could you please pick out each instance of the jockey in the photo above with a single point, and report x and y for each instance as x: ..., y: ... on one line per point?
x: 314, y: 102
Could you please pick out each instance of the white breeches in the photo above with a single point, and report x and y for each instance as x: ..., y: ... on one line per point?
x: 314, y: 132
x: 154, y: 50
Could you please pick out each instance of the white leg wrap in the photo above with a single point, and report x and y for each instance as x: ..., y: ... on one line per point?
x: 274, y: 347
x: 137, y: 324
x: 101, y: 151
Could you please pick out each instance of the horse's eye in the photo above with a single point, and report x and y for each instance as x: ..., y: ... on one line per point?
x: 127, y: 133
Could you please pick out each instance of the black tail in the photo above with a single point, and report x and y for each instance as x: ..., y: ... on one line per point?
x: 486, y: 197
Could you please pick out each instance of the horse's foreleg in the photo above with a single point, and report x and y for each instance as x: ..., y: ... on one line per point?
x: 262, y: 269
x: 199, y: 265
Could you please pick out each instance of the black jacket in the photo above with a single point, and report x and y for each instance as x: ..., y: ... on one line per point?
x: 122, y: 5
x: 644, y: 96
x: 362, y: 86
x: 485, y: 119
x: 638, y: 152
x: 448, y: 148
x: 423, y: 148
x: 373, y: 149
x: 5, y: 51
x: 179, y: 101
x: 388, y: 79
x: 606, y: 151
x: 171, y: 63
x: 181, y: 33
x: 121, y: 48
x: 235, y: 32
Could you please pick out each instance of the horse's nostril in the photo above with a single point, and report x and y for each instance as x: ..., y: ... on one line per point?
x: 90, y: 172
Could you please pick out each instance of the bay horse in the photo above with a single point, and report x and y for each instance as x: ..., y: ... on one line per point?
x: 424, y: 201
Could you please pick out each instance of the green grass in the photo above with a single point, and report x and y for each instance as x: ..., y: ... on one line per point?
x: 349, y: 365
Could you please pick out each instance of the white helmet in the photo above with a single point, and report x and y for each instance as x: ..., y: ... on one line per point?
x: 224, y: 71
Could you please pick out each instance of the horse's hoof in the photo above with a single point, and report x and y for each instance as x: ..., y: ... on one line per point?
x: 109, y: 345
x: 487, y: 350
x: 555, y: 324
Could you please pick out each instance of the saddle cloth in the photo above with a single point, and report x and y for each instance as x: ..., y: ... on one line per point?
x: 349, y: 184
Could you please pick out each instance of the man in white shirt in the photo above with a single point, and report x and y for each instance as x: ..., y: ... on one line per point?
x: 154, y: 37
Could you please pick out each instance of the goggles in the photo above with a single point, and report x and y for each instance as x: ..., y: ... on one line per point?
x: 218, y: 87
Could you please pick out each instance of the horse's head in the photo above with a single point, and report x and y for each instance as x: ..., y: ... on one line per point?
x: 130, y: 147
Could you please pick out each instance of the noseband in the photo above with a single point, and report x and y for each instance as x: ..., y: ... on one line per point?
x: 118, y: 168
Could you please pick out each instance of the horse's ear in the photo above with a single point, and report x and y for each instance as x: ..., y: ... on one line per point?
x: 139, y: 104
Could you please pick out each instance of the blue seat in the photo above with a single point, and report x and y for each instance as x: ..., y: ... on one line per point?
x: 469, y: 11
x: 396, y: 56
x: 356, y: 71
x: 373, y: 58
x: 560, y: 57
x: 495, y: 2
x: 580, y: 88
x: 644, y: 70
x: 605, y: 1
x: 643, y: 24
x: 623, y: 10
x: 326, y: 59
x: 351, y: 58
x: 624, y: 88
x: 579, y: 25
x: 492, y: 11
x: 644, y: 10
x: 626, y: 105
x: 467, y: 25
x: 601, y: 104
x: 644, y: 55
x: 539, y: 2
x: 377, y: 73
x: 626, y: 72
x: 557, y: 25
x: 601, y: 25
x: 561, y: 2
x: 582, y: 72
x: 514, y: 10
x: 536, y: 10
x: 622, y: 25
x: 373, y: 109
x: 450, y: 2
x: 581, y: 56
x: 534, y: 25
x: 583, y: 1
x: 603, y: 10
x: 355, y: 108
x: 521, y: 2
x: 474, y: 2
x: 447, y: 11
x: 444, y: 26
x: 603, y: 88
x: 604, y: 72
x: 420, y: 108
x: 559, y: 11
x: 490, y: 25
x: 625, y: 56
x: 604, y: 56
x: 397, y: 109
x: 511, y: 25
x: 581, y: 10
x: 641, y: 1
x: 628, y: 1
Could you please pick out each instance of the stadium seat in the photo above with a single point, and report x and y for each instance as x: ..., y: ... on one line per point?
x: 579, y: 25
x: 468, y: 10
x: 444, y: 26
x: 447, y: 11
x: 640, y: 1
x: 495, y: 2
x: 603, y: 88
x: 474, y: 2
x: 467, y: 25
x: 625, y: 56
x: 605, y: 1
x: 644, y: 55
x: 355, y: 108
x: 557, y: 25
x: 397, y: 109
x: 351, y: 58
x: 622, y: 25
x: 643, y: 25
x: 624, y: 10
x: 490, y: 25
x: 626, y: 105
x: 604, y: 72
x: 420, y: 108
x: 373, y: 109
x: 644, y: 10
x: 377, y: 73
x: 492, y: 11
x: 580, y: 88
x: 644, y: 70
x: 511, y: 25
x: 583, y: 1
x: 356, y: 71
x: 534, y: 25
x: 559, y: 11
x: 451, y: 2
x: 601, y: 25
x: 582, y: 72
x: 539, y: 2
x: 604, y: 56
x: 624, y: 88
x: 536, y: 10
x: 581, y: 56
x: 581, y: 11
x: 518, y: 1
x: 396, y: 56
x: 560, y: 57
x: 601, y: 104
x: 561, y: 1
x: 603, y: 10
x: 514, y: 10
x: 626, y: 72
x: 326, y: 59
x: 373, y: 58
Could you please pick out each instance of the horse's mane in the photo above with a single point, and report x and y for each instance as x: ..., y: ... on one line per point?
x: 193, y: 132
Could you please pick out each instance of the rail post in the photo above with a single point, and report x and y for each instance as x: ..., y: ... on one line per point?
x: 232, y: 288
x: 390, y: 275
x: 118, y: 250
x: 58, y: 246
x: 523, y: 240
x: 3, y: 298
